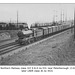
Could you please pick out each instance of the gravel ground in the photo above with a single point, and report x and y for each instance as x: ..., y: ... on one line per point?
x: 59, y: 50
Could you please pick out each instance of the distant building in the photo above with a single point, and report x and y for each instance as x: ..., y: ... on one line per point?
x: 20, y: 24
x: 13, y: 25
x: 3, y: 24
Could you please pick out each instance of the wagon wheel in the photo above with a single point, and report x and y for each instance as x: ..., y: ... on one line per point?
x: 28, y: 41
x: 32, y: 40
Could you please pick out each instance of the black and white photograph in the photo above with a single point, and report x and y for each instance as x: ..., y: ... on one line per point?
x: 37, y: 34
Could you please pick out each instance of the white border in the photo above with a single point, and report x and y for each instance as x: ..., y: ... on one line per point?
x: 37, y: 1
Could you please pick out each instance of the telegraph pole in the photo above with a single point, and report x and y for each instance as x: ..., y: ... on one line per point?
x: 66, y: 17
x: 74, y: 23
x: 54, y: 16
x: 17, y: 18
x: 61, y: 16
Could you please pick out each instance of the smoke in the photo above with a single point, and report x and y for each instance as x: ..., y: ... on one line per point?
x: 29, y: 24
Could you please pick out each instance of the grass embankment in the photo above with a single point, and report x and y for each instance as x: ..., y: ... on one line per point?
x: 8, y: 34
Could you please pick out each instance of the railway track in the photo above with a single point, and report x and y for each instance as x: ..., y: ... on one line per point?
x: 9, y: 49
x: 13, y: 46
x: 7, y: 45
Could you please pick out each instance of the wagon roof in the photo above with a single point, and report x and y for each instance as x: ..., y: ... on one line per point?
x: 44, y: 27
x: 49, y: 27
x: 34, y: 28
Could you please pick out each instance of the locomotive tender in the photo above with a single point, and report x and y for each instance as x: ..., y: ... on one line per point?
x: 33, y: 34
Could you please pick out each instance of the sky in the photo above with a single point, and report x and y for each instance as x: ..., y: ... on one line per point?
x: 32, y: 13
